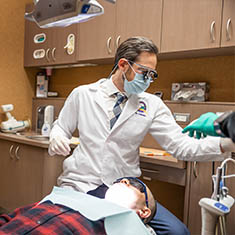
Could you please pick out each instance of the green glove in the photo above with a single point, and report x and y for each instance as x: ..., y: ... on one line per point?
x: 203, y: 125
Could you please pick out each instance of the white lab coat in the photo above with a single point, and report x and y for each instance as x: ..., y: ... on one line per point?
x: 104, y: 155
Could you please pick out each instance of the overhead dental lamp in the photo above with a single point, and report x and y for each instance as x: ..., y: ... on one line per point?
x: 62, y: 13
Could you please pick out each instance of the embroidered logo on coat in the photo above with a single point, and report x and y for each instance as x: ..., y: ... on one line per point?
x: 142, y: 109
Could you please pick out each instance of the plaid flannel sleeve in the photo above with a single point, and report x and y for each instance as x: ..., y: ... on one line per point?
x: 6, y: 218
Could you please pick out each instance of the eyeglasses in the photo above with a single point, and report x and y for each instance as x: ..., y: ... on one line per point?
x: 138, y: 184
x: 147, y: 72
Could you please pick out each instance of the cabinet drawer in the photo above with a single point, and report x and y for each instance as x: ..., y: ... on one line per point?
x: 163, y: 173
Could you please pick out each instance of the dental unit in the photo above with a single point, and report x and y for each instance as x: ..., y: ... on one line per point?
x: 215, y: 209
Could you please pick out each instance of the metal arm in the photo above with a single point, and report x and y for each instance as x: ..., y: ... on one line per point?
x: 215, y: 209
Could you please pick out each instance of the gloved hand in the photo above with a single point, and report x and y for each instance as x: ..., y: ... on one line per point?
x: 203, y: 125
x: 59, y: 145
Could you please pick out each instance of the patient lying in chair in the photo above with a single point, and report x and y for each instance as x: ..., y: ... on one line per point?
x: 65, y: 211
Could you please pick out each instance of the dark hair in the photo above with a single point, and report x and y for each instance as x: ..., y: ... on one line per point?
x: 133, y: 47
x: 152, y: 206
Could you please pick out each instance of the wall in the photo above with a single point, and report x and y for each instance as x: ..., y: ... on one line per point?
x: 218, y: 71
x: 17, y: 85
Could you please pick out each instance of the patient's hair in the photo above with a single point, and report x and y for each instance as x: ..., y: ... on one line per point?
x: 152, y: 205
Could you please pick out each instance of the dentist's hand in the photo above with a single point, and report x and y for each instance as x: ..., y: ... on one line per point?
x: 59, y: 145
x: 204, y: 125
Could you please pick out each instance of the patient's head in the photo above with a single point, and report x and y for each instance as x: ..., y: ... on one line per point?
x: 132, y: 193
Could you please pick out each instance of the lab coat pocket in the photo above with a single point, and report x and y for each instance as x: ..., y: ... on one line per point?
x: 135, y: 128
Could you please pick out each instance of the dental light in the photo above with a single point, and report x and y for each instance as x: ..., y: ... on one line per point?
x: 62, y: 13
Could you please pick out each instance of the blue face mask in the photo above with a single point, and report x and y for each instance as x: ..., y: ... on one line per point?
x: 137, y: 85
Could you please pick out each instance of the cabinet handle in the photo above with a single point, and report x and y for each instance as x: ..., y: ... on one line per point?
x: 213, y: 31
x: 147, y: 178
x: 10, y: 151
x: 195, y: 169
x: 227, y: 29
x: 53, y: 54
x: 16, y: 153
x: 47, y: 54
x: 150, y: 171
x: 118, y: 41
x: 108, y: 45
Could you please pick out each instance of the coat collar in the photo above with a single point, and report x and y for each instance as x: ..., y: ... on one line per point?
x: 132, y: 104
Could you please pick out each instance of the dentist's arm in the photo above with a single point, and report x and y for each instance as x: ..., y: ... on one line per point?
x: 64, y: 126
x: 211, y: 124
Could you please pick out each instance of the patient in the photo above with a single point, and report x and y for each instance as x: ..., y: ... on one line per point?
x: 49, y: 218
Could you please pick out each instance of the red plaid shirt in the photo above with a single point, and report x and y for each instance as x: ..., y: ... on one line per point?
x: 47, y: 218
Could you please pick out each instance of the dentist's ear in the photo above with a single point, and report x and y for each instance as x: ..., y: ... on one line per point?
x: 123, y: 65
x: 144, y: 213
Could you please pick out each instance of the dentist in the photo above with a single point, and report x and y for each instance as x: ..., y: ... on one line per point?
x: 113, y: 115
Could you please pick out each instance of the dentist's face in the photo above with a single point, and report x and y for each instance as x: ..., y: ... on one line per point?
x: 146, y: 59
x: 126, y: 195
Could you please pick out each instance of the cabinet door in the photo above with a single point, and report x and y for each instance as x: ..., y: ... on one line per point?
x: 96, y: 36
x: 8, y: 175
x: 36, y: 51
x: 29, y: 167
x: 200, y: 186
x: 53, y: 48
x: 21, y: 174
x: 59, y: 54
x: 36, y: 54
x: 138, y: 18
x: 190, y: 25
x: 228, y: 26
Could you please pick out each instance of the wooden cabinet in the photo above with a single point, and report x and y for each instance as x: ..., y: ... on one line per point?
x: 60, y: 53
x: 228, y: 24
x: 27, y: 173
x: 96, y: 36
x: 174, y: 26
x: 191, y: 25
x: 21, y: 174
x: 200, y: 186
x: 139, y: 18
x: 99, y: 38
x: 45, y: 47
x: 31, y: 49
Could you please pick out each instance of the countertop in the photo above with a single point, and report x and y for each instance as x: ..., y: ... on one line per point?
x: 26, y: 138
x: 34, y: 139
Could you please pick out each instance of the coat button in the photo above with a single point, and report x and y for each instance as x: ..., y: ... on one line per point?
x: 62, y: 210
x: 39, y: 222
